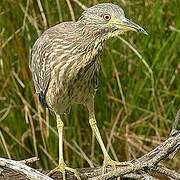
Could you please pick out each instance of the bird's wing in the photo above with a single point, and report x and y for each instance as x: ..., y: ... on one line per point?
x: 43, y: 53
x: 39, y: 65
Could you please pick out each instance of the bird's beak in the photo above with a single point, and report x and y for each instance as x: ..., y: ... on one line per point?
x: 127, y: 25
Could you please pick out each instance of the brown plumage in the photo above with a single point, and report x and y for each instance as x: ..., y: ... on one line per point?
x: 65, y: 66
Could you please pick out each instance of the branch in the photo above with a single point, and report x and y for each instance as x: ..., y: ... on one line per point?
x: 141, y: 168
x: 150, y: 160
x: 21, y: 167
x: 167, y: 172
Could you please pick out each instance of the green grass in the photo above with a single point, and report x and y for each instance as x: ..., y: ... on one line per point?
x: 141, y: 100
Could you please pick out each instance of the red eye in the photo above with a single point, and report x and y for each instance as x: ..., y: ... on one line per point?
x: 106, y: 17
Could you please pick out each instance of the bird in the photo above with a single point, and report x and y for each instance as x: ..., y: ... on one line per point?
x: 65, y: 66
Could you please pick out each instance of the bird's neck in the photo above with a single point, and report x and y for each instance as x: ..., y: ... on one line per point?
x: 93, y: 38
x: 95, y: 33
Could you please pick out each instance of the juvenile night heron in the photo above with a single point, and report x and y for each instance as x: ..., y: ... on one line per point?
x: 65, y: 66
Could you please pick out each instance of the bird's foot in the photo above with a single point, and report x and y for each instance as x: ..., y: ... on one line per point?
x: 109, y: 162
x: 62, y: 167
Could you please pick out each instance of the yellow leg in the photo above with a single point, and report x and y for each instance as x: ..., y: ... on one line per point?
x: 92, y: 121
x: 62, y: 166
x: 60, y: 126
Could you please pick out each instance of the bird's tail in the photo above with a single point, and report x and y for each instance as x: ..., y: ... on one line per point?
x: 42, y: 98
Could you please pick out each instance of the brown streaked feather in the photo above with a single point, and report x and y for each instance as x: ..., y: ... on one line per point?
x: 64, y: 64
x: 42, y: 55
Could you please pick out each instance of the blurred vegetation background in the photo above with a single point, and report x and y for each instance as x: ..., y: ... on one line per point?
x: 136, y: 102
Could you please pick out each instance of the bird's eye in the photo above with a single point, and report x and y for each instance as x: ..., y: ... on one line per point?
x: 106, y: 17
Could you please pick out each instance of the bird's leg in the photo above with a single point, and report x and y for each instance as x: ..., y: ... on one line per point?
x: 62, y: 166
x: 92, y: 121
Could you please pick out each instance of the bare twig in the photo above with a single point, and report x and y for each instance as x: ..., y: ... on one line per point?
x: 167, y: 172
x: 30, y: 160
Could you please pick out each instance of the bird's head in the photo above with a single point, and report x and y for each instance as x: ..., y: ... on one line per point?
x: 110, y: 19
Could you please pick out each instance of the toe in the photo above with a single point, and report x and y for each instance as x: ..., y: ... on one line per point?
x: 62, y: 167
x: 109, y: 162
x: 73, y: 171
x: 53, y: 171
x: 117, y: 163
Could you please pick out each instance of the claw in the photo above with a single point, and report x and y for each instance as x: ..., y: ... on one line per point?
x: 62, y: 167
x: 109, y: 162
